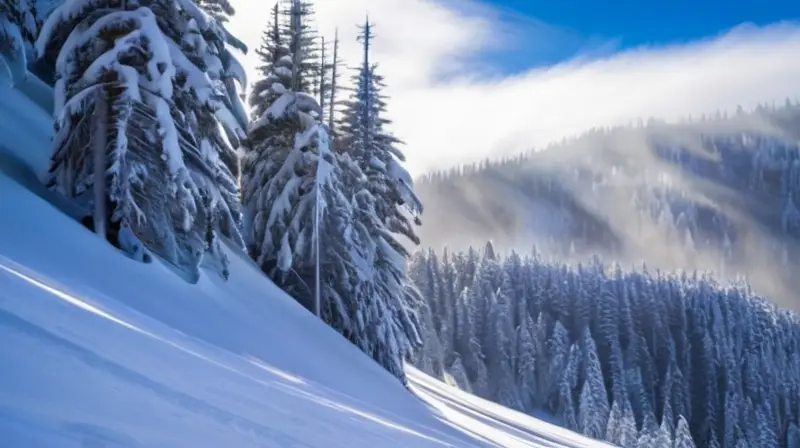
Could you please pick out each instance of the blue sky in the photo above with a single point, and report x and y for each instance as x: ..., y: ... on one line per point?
x: 470, y: 79
x: 612, y: 25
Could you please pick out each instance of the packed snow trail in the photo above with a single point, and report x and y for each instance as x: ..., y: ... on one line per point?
x: 99, y: 350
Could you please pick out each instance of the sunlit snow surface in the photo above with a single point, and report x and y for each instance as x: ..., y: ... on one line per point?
x: 97, y: 350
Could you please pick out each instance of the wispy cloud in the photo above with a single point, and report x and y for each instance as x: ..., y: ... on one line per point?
x: 451, y: 109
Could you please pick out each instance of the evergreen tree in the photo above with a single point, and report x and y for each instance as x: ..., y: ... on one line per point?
x: 663, y: 436
x: 287, y: 165
x: 649, y: 433
x: 731, y: 420
x: 459, y: 374
x: 790, y: 219
x: 364, y: 135
x: 429, y: 358
x: 448, y: 299
x: 274, y: 46
x: 499, y: 356
x: 331, y: 80
x: 526, y: 364
x: 558, y: 349
x: 469, y: 347
x: 220, y: 10
x: 628, y: 435
x: 793, y: 436
x: 150, y: 176
x: 303, y: 46
x: 613, y: 431
x: 593, y: 411
x: 683, y: 438
x: 765, y: 426
x: 567, y: 383
x: 382, y: 196
x: 18, y: 28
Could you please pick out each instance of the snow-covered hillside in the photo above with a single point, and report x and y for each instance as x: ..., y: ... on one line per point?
x: 102, y: 351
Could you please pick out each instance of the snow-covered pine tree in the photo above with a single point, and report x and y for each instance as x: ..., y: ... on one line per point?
x: 279, y: 175
x: 323, y: 87
x: 499, y: 357
x: 593, y: 408
x: 549, y: 374
x: 333, y: 98
x: 790, y: 218
x: 215, y: 120
x: 526, y: 355
x: 383, y: 198
x: 683, y: 437
x: 129, y: 78
x: 364, y: 135
x: 459, y: 374
x: 664, y: 436
x: 765, y: 426
x: 303, y: 46
x: 566, y: 409
x: 274, y: 46
x: 220, y: 10
x: 468, y: 346
x: 614, y: 425
x: 430, y: 357
x: 448, y: 302
x: 18, y: 28
x: 628, y: 435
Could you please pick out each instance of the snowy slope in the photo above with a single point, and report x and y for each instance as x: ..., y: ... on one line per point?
x: 102, y: 351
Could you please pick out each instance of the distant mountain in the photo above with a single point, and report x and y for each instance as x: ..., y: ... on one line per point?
x: 719, y: 193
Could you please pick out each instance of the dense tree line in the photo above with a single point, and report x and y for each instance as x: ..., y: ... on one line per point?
x: 637, y: 358
x: 154, y: 142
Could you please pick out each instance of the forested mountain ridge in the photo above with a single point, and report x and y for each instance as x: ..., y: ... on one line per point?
x: 638, y: 359
x: 717, y: 194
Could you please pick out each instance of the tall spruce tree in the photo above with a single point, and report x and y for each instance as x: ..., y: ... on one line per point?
x: 333, y: 98
x: 273, y: 47
x: 288, y: 164
x: 149, y: 173
x: 383, y: 200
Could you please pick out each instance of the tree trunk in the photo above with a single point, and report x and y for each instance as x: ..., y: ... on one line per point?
x: 99, y: 144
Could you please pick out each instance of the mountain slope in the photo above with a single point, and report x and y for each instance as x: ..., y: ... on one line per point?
x: 106, y: 351
x: 100, y: 350
x: 716, y: 194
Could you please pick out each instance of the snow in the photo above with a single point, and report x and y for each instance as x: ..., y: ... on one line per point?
x: 138, y: 357
x: 406, y: 184
x: 11, y: 37
x: 101, y: 350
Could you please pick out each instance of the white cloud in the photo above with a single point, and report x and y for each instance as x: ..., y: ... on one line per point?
x: 448, y: 111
